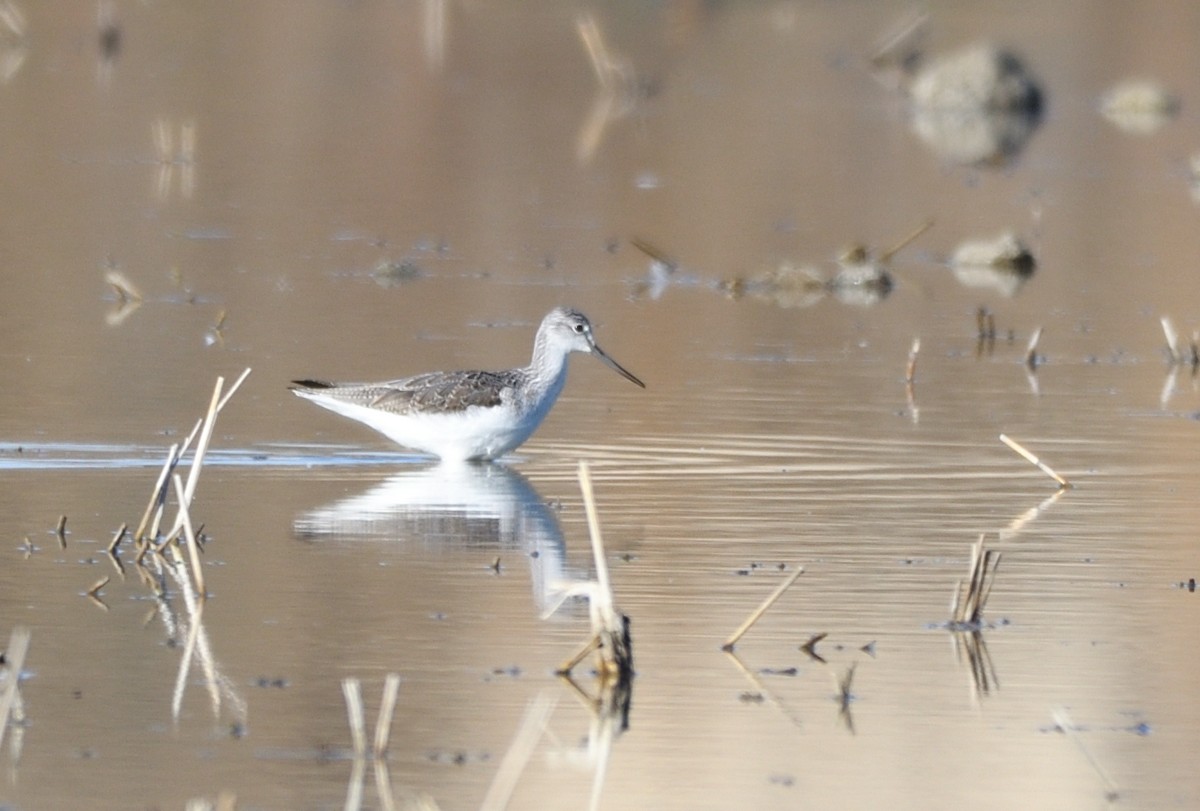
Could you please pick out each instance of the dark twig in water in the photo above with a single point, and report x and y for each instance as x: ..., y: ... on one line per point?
x: 762, y: 609
x: 653, y: 251
x: 60, y: 530
x: 845, y: 696
x: 810, y: 647
x: 1039, y: 464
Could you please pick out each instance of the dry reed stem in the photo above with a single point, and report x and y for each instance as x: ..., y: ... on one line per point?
x: 609, y: 626
x: 354, y: 789
x: 156, y: 495
x: 1063, y: 721
x: 383, y: 788
x: 206, y: 432
x: 383, y: 724
x: 518, y: 754
x: 593, y: 521
x: 905, y: 242
x: 116, y: 539
x: 237, y: 384
x: 185, y: 662
x: 567, y: 666
x: 60, y: 529
x: 653, y: 251
x: 762, y: 609
x: 192, y: 546
x: 1031, y: 356
x: 598, y: 54
x: 94, y: 591
x: 352, y: 691
x: 761, y: 689
x: 14, y: 655
x: 910, y: 372
x: 968, y: 604
x: 1040, y: 465
x: 1173, y: 347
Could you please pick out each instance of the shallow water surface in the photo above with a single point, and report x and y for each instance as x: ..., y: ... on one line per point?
x: 369, y: 190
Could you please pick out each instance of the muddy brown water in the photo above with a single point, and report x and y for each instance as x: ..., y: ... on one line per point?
x: 470, y: 152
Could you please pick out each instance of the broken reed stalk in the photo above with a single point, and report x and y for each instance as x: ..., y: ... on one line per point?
x: 14, y: 656
x: 910, y: 371
x: 1031, y: 354
x: 158, y: 494
x: 653, y: 252
x: 1179, y: 355
x: 593, y: 521
x: 352, y: 690
x: 518, y: 754
x: 94, y: 591
x: 910, y: 238
x: 967, y: 606
x: 610, y: 628
x: 1173, y: 347
x: 190, y: 538
x: 1038, y: 463
x: 1063, y: 721
x: 387, y: 708
x: 118, y: 536
x: 762, y: 609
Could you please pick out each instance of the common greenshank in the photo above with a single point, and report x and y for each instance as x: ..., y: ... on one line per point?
x: 461, y: 416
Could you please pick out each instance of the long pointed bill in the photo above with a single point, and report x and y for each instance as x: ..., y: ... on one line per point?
x: 612, y: 364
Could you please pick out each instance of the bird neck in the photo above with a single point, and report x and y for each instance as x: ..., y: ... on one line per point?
x: 548, y: 368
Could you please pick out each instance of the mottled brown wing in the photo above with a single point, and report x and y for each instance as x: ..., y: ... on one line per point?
x: 439, y: 391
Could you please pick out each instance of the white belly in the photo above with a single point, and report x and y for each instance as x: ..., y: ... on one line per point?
x: 476, y: 433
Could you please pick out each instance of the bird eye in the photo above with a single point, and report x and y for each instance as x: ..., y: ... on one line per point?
x: 579, y: 328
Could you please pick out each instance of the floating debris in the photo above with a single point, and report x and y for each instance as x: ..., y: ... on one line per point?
x: 393, y: 273
x: 1002, y: 264
x: 976, y: 106
x: 1139, y: 106
x: 860, y: 279
x: 785, y: 286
